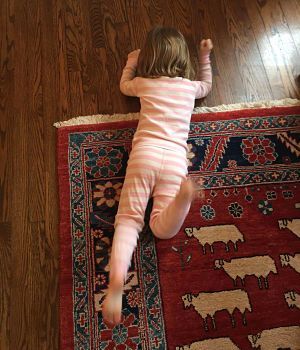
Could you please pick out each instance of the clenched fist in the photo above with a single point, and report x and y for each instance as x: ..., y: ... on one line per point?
x: 134, y: 54
x: 206, y: 45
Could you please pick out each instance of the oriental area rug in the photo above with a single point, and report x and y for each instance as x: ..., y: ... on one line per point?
x: 230, y: 278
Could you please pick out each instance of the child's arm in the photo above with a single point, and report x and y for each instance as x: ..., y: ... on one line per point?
x: 204, y: 86
x: 127, y: 83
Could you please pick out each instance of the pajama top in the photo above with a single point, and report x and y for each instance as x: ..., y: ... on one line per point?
x: 166, y: 104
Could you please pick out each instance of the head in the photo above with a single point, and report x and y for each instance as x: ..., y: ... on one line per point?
x: 165, y: 53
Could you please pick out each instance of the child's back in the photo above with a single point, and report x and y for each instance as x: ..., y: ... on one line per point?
x: 166, y: 108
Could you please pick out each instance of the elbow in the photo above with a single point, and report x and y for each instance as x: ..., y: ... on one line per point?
x: 208, y: 87
x: 127, y: 88
x: 205, y: 89
x: 123, y: 88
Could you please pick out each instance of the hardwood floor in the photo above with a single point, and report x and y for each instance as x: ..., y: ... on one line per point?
x: 61, y: 59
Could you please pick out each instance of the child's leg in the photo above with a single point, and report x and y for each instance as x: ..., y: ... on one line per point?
x: 172, y: 196
x: 137, y: 188
x: 169, y: 213
x: 124, y: 243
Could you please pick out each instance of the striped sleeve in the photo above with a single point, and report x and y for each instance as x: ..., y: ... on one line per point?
x: 128, y: 84
x: 203, y: 86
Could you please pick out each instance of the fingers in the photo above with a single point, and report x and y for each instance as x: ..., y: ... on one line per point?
x: 112, y: 307
x: 134, y: 53
x: 206, y: 45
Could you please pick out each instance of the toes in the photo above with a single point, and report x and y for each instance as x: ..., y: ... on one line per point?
x: 117, y: 317
x: 112, y: 319
x: 107, y: 314
x: 112, y: 308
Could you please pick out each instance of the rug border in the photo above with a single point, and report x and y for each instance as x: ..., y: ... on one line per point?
x: 66, y: 325
x: 102, y: 118
x: 201, y: 117
x: 65, y: 257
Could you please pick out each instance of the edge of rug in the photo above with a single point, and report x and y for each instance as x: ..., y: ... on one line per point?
x: 286, y: 102
x: 97, y: 118
x: 104, y: 118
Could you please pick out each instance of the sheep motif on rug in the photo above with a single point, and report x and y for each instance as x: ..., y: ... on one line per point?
x: 207, y: 304
x: 210, y: 344
x: 293, y: 299
x: 276, y: 338
x: 212, y: 234
x: 290, y: 260
x: 292, y: 224
x: 259, y: 266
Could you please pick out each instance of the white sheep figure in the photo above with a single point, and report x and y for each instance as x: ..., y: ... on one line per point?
x: 259, y: 266
x: 293, y: 299
x: 210, y: 344
x: 277, y: 338
x: 290, y: 260
x: 207, y: 304
x: 292, y: 224
x: 212, y: 234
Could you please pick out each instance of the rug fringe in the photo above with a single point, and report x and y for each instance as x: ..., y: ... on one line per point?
x: 97, y: 118
x: 286, y: 102
x: 104, y: 118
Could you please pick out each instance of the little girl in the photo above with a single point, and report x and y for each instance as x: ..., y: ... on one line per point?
x: 161, y: 76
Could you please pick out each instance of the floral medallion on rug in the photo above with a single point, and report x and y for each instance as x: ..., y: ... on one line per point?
x: 230, y: 278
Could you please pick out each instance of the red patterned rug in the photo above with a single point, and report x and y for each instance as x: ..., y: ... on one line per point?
x: 229, y: 279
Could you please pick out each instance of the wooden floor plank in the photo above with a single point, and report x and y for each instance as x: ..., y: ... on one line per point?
x: 7, y: 64
x: 20, y: 243
x: 35, y: 115
x: 276, y: 47
x: 49, y: 227
x: 5, y: 283
x: 230, y: 80
x: 203, y: 28
x: 254, y: 80
x: 291, y: 12
x: 64, y: 86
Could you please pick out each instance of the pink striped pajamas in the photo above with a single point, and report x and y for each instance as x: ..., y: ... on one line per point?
x: 157, y: 163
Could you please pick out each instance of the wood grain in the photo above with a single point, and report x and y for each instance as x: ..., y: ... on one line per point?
x: 63, y: 58
x: 276, y: 45
x: 5, y: 282
x: 6, y: 107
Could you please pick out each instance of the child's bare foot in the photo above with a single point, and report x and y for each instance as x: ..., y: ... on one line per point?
x: 187, y: 190
x: 200, y: 188
x: 112, y: 305
x: 200, y: 193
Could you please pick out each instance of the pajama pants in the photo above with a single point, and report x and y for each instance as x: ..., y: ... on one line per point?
x: 151, y: 172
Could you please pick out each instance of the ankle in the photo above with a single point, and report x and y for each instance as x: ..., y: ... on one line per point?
x: 116, y: 282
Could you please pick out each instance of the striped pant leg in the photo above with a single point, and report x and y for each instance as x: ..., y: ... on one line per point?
x: 142, y: 169
x: 167, y: 214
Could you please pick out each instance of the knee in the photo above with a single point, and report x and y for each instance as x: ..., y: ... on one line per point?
x: 159, y: 231
x: 154, y: 227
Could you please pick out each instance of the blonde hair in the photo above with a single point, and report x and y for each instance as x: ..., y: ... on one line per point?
x: 165, y: 53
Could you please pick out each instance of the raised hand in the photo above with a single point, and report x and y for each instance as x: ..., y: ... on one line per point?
x: 206, y: 45
x: 134, y: 54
